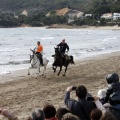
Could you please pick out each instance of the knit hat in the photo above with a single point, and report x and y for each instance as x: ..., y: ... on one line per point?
x: 38, y: 114
x: 102, y: 93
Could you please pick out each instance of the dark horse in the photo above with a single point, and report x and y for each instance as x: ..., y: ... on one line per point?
x: 61, y: 60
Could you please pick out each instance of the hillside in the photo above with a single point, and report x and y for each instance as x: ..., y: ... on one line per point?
x: 43, y: 5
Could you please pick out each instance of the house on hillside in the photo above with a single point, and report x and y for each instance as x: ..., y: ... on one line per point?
x: 72, y: 14
x: 88, y: 15
x: 116, y: 16
x: 107, y: 16
x: 58, y: 12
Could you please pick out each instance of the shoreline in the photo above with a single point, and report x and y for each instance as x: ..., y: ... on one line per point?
x: 58, y: 26
x: 23, y: 73
x: 24, y: 93
x: 64, y: 26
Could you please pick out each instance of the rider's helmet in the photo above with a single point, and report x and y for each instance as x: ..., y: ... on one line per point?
x: 112, y: 78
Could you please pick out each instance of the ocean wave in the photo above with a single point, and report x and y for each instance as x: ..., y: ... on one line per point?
x: 16, y: 62
x: 9, y: 49
x: 46, y: 38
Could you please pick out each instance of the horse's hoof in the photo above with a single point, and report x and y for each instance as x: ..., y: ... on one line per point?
x: 42, y: 74
x: 28, y: 73
x: 63, y: 75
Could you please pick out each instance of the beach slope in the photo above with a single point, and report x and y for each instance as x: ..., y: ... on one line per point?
x: 23, y: 93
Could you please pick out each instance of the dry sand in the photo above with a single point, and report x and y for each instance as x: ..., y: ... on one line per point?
x: 61, y: 26
x: 21, y: 93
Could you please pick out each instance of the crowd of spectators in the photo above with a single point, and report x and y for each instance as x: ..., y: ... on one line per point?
x: 104, y: 106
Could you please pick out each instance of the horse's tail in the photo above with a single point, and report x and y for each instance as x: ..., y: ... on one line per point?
x: 72, y: 60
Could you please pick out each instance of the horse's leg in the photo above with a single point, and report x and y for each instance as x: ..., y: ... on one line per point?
x: 38, y: 72
x: 65, y: 70
x: 44, y: 70
x: 39, y: 69
x: 29, y: 70
x: 60, y: 70
x: 55, y: 69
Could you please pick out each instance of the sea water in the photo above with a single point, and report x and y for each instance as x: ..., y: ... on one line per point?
x: 15, y: 44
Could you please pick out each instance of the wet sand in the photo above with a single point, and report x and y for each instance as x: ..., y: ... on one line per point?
x: 21, y: 93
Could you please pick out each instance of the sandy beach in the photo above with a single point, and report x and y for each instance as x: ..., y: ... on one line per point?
x: 60, y: 26
x: 22, y: 93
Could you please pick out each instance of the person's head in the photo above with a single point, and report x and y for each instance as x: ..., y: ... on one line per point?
x: 38, y: 114
x: 49, y: 111
x: 81, y: 92
x: 60, y: 112
x: 69, y: 116
x: 108, y: 116
x: 112, y: 78
x: 63, y: 41
x: 38, y: 42
x: 102, y: 93
x: 96, y: 114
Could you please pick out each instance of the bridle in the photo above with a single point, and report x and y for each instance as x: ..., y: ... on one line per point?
x: 32, y: 58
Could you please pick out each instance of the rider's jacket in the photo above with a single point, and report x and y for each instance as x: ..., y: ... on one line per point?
x: 113, y: 94
x: 63, y: 47
x: 39, y: 49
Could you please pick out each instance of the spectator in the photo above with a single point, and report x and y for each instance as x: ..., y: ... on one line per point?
x: 96, y: 114
x: 113, y: 94
x: 81, y: 108
x: 113, y: 91
x: 108, y: 116
x: 7, y: 114
x: 60, y: 112
x: 69, y: 116
x: 37, y: 114
x: 50, y: 112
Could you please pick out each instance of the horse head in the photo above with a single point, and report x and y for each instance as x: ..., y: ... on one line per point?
x: 57, y: 50
x: 32, y: 55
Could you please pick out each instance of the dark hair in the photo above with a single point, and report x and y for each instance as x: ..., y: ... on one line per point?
x: 108, y: 116
x: 60, y: 112
x: 81, y: 91
x: 38, y: 114
x: 49, y: 111
x: 69, y: 116
x: 38, y: 42
x: 96, y: 114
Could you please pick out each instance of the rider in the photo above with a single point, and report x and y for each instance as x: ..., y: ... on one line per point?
x: 63, y: 46
x: 39, y: 51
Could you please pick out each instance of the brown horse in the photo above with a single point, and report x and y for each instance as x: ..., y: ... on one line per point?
x: 61, y: 60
